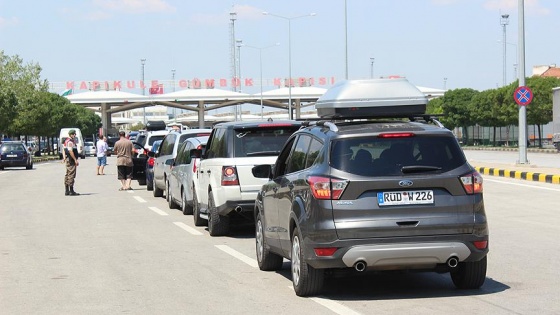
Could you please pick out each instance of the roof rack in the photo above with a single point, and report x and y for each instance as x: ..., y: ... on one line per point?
x: 332, y: 124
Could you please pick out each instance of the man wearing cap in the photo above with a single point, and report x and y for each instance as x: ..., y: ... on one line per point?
x: 123, y: 149
x: 176, y: 127
x: 71, y: 158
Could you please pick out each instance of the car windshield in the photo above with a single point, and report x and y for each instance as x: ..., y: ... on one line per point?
x: 371, y: 156
x: 261, y: 141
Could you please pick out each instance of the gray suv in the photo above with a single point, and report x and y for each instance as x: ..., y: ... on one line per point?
x: 372, y: 196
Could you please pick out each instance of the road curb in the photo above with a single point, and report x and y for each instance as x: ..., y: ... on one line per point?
x: 530, y: 176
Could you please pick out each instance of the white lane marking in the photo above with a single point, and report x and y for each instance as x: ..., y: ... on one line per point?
x: 156, y: 210
x: 330, y: 304
x: 130, y: 191
x: 249, y: 261
x: 139, y: 199
x: 334, y: 306
x: 521, y: 185
x: 187, y: 228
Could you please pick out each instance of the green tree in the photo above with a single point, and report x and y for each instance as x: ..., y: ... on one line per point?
x: 456, y: 111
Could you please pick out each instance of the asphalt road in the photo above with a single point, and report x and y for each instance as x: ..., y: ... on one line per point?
x: 113, y: 252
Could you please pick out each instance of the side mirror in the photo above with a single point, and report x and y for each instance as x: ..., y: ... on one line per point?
x: 262, y: 171
x: 169, y: 161
x: 196, y: 153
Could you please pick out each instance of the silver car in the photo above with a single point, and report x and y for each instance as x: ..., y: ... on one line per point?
x: 89, y: 148
x: 182, y: 180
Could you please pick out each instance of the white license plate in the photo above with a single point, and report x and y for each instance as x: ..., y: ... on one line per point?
x: 11, y: 155
x: 393, y: 198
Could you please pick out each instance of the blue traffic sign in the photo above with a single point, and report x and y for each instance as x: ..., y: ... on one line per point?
x: 523, y: 95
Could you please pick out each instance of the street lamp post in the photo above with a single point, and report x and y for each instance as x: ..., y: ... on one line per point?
x: 372, y: 61
x: 504, y: 21
x: 260, y: 49
x: 173, y: 79
x: 143, y: 62
x: 238, y: 108
x: 289, y: 19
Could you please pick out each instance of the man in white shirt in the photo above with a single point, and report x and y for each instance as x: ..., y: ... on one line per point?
x: 102, y: 148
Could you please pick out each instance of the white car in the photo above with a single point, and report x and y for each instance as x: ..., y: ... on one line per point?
x: 227, y: 184
x: 183, y: 181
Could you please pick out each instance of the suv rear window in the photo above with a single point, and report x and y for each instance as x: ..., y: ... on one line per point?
x: 371, y: 156
x: 261, y: 141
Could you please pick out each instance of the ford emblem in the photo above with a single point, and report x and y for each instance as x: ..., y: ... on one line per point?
x: 405, y: 183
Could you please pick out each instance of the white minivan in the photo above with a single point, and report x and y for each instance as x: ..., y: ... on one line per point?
x: 79, y: 141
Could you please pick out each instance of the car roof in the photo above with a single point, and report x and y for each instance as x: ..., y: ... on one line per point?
x: 258, y: 123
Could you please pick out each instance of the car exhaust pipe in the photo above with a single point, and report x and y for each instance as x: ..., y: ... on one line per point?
x: 360, y: 266
x: 452, y: 262
x: 238, y: 209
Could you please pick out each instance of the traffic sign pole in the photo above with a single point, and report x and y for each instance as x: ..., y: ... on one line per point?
x: 522, y: 109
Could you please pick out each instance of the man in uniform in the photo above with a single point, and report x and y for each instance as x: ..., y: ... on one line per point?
x: 71, y: 159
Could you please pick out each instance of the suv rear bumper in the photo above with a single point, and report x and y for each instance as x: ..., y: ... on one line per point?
x: 405, y: 254
x: 417, y: 253
x: 237, y: 206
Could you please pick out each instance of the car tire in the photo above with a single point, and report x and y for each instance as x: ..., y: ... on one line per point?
x: 306, y: 279
x: 157, y: 192
x: 185, y: 207
x: 218, y: 225
x: 198, y: 221
x: 149, y: 185
x: 469, y: 275
x: 172, y: 204
x: 267, y: 260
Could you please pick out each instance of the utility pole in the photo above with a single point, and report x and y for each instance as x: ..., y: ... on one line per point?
x: 371, y: 72
x: 233, y: 60
x: 143, y: 62
x: 173, y: 84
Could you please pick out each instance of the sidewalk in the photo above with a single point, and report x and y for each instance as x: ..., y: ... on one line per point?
x: 531, y: 172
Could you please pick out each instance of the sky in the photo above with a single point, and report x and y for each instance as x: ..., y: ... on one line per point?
x: 444, y: 44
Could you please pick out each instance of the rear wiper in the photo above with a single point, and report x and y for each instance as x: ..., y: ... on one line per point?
x: 419, y: 168
x: 263, y: 153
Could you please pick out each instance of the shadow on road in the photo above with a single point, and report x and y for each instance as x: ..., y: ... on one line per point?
x: 350, y: 285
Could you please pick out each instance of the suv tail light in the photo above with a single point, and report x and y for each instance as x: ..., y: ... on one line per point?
x: 326, y: 188
x: 472, y: 183
x: 229, y: 176
x: 151, y: 162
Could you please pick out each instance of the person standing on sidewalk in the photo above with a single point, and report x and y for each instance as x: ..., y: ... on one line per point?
x: 102, y: 148
x: 123, y: 149
x: 71, y: 159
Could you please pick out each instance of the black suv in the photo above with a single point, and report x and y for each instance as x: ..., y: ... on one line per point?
x: 372, y: 195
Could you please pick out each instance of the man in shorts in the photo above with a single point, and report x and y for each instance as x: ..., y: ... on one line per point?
x: 102, y: 148
x: 123, y: 149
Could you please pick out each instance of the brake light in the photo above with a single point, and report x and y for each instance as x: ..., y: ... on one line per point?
x: 229, y: 176
x: 327, y: 188
x: 328, y: 251
x: 481, y: 244
x: 472, y: 183
x: 194, y: 161
x: 396, y: 135
x: 151, y: 162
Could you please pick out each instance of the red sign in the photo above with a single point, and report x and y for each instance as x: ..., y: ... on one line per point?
x: 157, y: 89
x: 523, y: 96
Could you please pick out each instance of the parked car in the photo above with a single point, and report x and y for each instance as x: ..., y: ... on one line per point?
x: 90, y: 149
x: 372, y: 195
x: 182, y: 180
x: 139, y: 159
x: 111, y: 140
x: 15, y: 154
x: 227, y: 186
x: 167, y: 151
x: 148, y: 139
x: 150, y: 165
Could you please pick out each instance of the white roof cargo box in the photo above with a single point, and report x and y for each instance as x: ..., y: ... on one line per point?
x: 372, y: 98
